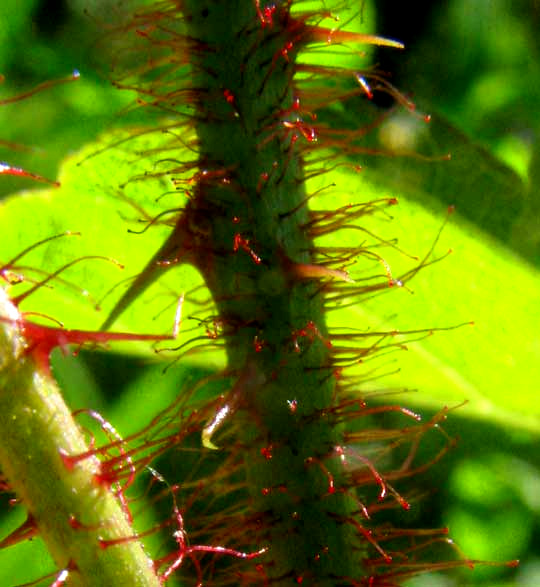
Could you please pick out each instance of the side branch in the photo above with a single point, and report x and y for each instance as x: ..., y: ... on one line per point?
x: 74, y: 514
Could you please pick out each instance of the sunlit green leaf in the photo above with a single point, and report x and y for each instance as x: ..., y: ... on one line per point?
x: 94, y: 202
x: 492, y: 365
x: 480, y: 281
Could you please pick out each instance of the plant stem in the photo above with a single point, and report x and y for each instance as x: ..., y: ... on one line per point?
x: 255, y: 241
x: 75, y: 514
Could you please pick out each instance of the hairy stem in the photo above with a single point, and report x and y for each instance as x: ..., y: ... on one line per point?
x: 75, y: 514
x: 251, y: 245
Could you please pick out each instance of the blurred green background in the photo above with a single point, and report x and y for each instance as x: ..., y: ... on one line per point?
x: 475, y: 63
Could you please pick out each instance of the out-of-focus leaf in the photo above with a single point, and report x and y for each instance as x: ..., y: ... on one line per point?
x: 37, y: 560
x: 433, y: 163
x: 14, y: 19
x: 484, y: 191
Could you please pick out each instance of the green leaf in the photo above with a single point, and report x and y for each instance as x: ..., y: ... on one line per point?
x: 103, y: 198
x: 493, y: 365
x: 14, y: 16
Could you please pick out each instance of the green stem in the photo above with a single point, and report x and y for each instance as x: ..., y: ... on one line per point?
x: 251, y: 247
x: 73, y: 512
